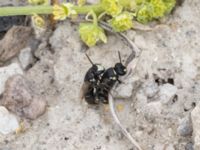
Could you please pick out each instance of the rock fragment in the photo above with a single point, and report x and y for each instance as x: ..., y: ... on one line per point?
x: 125, y: 89
x: 185, y: 127
x: 167, y: 93
x: 189, y: 146
x: 150, y: 89
x: 26, y: 57
x: 14, y: 40
x: 6, y: 72
x: 8, y: 122
x: 36, y: 109
x: 21, y: 100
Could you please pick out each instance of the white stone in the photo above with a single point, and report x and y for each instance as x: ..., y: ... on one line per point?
x: 125, y: 89
x: 150, y: 89
x: 8, y: 122
x: 196, y: 126
x: 167, y: 92
x: 6, y: 72
x: 25, y: 57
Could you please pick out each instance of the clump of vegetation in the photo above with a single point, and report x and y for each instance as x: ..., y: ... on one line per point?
x: 119, y: 14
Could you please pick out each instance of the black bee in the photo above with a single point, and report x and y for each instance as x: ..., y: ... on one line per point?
x: 108, y: 80
x: 91, y: 81
x: 98, y: 81
x: 95, y: 73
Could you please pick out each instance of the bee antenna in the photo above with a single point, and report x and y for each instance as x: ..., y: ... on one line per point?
x: 119, y: 57
x: 89, y: 59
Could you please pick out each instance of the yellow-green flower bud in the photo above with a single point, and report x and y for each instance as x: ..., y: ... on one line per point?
x: 159, y: 8
x: 169, y: 5
x: 144, y: 14
x: 122, y: 22
x: 91, y: 34
x: 148, y: 10
x: 111, y: 7
x: 61, y: 12
x: 38, y: 21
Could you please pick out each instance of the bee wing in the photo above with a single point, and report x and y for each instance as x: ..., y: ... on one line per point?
x: 84, y: 89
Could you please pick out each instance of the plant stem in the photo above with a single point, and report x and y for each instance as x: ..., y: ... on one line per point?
x: 25, y: 10
x: 97, y: 8
x: 45, y: 9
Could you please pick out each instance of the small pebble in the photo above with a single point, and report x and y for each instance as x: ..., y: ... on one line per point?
x: 8, y: 122
x: 15, y: 39
x: 167, y: 93
x: 150, y: 89
x: 189, y: 146
x: 6, y: 72
x: 185, y: 127
x: 20, y: 99
x: 25, y: 57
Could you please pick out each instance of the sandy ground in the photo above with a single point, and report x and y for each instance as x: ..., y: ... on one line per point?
x: 165, y: 88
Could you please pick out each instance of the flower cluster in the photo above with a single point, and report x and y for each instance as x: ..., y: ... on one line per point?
x: 112, y: 7
x: 61, y: 12
x: 120, y: 12
x: 148, y: 10
x: 91, y: 33
x: 122, y: 22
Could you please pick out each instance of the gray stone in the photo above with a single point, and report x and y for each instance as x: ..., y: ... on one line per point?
x: 150, y: 89
x: 25, y: 57
x: 6, y: 72
x: 189, y: 146
x: 21, y: 100
x: 8, y: 122
x: 185, y: 127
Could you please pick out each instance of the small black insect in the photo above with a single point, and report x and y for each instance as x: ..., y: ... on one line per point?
x: 95, y: 73
x: 98, y: 81
x: 109, y: 78
x: 91, y: 81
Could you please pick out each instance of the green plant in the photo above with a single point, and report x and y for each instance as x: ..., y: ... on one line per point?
x: 121, y: 14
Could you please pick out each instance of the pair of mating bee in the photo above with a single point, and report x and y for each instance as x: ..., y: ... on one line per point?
x: 98, y: 81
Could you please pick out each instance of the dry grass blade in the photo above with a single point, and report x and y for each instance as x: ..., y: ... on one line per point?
x: 135, y: 53
x: 114, y: 114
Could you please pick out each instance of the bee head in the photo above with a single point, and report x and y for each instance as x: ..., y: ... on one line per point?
x: 120, y: 69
